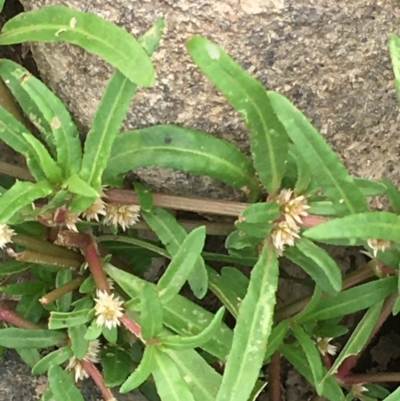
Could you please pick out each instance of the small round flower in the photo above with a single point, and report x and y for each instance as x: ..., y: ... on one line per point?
x: 324, y: 346
x: 378, y: 245
x: 283, y: 234
x: 91, y: 356
x: 123, y: 215
x: 70, y: 220
x: 358, y: 390
x: 292, y: 207
x: 97, y: 209
x: 108, y: 309
x: 6, y: 234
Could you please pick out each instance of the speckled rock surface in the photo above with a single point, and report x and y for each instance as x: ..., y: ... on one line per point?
x: 330, y: 58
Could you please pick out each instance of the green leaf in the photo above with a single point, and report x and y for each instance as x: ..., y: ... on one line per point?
x: 172, y: 235
x: 61, y: 320
x: 180, y: 315
x: 352, y: 300
x: 57, y: 357
x: 2, y: 5
x: 358, y: 338
x: 145, y: 197
x: 29, y: 307
x: 111, y: 335
x: 393, y: 194
x: 312, y: 354
x: 30, y: 356
x: 297, y: 358
x: 21, y: 194
x: 64, y: 302
x: 303, y: 171
x: 260, y: 212
x: 151, y: 39
x: 142, y: 372
x: 170, y: 384
x: 326, y: 167
x: 13, y: 266
x: 276, y: 337
x: 268, y: 139
x: 381, y: 225
x: 47, y: 113
x: 394, y: 50
x: 94, y: 34
x: 29, y: 288
x: 50, y: 168
x: 79, y: 344
x: 316, y: 262
x: 312, y: 304
x: 182, y: 263
x: 47, y: 395
x: 182, y: 343
x: 30, y: 338
x: 80, y: 187
x: 151, y: 316
x: 202, y: 379
x: 396, y: 394
x: 369, y: 187
x: 116, y: 364
x: 184, y: 149
x: 94, y: 331
x: 62, y: 385
x: 252, y: 330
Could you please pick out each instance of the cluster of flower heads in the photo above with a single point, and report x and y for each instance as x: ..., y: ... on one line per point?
x: 286, y: 230
x: 91, y: 356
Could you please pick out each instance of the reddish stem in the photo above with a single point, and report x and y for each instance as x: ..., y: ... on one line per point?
x: 274, y: 382
x: 62, y: 290
x: 95, y: 266
x: 98, y: 379
x: 10, y: 317
x: 132, y: 326
x: 373, y: 378
x: 43, y: 259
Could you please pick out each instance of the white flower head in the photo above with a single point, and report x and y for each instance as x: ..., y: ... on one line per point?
x: 70, y: 220
x: 292, y: 207
x: 358, y: 389
x: 6, y: 234
x: 108, y: 309
x: 325, y: 347
x: 283, y: 234
x: 97, y: 209
x: 91, y: 356
x: 123, y: 215
x: 378, y: 245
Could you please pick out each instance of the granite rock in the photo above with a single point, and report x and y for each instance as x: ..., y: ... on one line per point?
x: 330, y: 58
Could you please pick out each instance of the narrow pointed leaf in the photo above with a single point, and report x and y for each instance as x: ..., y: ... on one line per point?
x: 353, y: 299
x: 295, y: 355
x: 110, y: 115
x: 64, y: 302
x: 184, y: 149
x: 393, y: 194
x: 50, y: 168
x: 145, y: 197
x: 369, y: 187
x: 30, y: 356
x: 21, y: 194
x: 62, y: 385
x: 30, y: 338
x: 394, y: 396
x: 183, y: 343
x: 80, y: 187
x: 268, y: 140
x: 57, y: 357
x: 89, y: 31
x: 303, y: 171
x: 260, y: 212
x: 151, y: 316
x: 276, y: 338
x: 60, y: 320
x: 326, y: 167
x: 252, y: 330
x: 358, y: 338
x: 142, y: 372
x: 79, y: 344
x: 47, y: 112
x: 312, y: 354
x: 394, y: 50
x: 170, y: 384
x: 202, y: 379
x: 181, y: 265
x: 316, y: 262
x: 381, y: 225
x: 172, y: 235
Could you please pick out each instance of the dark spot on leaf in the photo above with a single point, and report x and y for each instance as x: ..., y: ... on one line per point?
x: 167, y: 139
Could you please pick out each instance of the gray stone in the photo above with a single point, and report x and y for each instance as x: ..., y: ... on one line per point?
x: 330, y: 58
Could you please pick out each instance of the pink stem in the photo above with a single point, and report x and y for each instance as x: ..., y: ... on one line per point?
x: 9, y: 316
x: 98, y: 379
x: 132, y: 326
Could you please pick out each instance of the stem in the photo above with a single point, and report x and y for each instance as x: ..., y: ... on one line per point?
x: 98, y: 379
x: 62, y: 290
x: 132, y: 326
x: 351, y: 280
x: 67, y: 238
x: 93, y: 260
x: 373, y: 378
x: 212, y: 206
x: 15, y: 171
x: 44, y: 247
x: 11, y: 317
x: 274, y: 385
x: 42, y: 259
